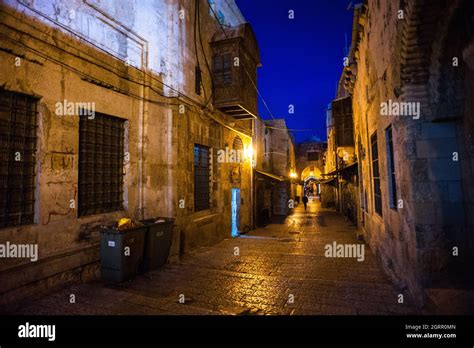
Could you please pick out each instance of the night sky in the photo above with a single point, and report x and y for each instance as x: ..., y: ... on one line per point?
x: 301, y: 58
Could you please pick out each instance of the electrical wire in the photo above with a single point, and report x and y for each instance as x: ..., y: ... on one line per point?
x: 195, y: 104
x: 196, y: 16
x: 89, y: 77
x: 255, y: 87
x: 293, y: 130
x: 204, y: 54
x: 111, y: 67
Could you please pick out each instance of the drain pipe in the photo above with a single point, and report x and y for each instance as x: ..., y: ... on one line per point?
x: 141, y: 133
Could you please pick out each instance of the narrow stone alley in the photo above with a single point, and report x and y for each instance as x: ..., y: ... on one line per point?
x: 281, y: 171
x: 279, y: 269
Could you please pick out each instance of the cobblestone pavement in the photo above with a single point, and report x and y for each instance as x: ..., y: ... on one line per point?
x: 281, y: 269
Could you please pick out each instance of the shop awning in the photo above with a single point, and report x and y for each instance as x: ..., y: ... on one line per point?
x: 328, y: 181
x: 350, y: 166
x: 334, y: 172
x: 271, y: 176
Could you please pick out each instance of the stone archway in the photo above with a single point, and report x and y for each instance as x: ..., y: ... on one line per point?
x: 310, y: 176
x: 311, y: 171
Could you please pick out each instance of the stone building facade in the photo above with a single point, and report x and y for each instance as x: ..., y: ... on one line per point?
x: 122, y: 110
x: 310, y: 153
x: 275, y: 161
x: 310, y: 161
x: 339, y: 189
x: 281, y: 152
x: 410, y: 78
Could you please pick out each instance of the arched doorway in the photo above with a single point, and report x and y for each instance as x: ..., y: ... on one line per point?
x: 311, y: 187
x: 311, y: 177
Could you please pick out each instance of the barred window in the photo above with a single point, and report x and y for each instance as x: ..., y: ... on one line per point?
x: 18, y: 116
x: 101, y: 153
x: 376, y: 175
x: 201, y: 178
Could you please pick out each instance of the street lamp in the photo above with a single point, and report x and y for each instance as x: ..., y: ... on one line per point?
x: 248, y: 152
x: 248, y: 155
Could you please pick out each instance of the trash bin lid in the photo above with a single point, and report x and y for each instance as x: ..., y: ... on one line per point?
x: 157, y: 220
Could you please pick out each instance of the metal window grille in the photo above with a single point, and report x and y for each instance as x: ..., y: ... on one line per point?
x: 18, y: 116
x: 392, y: 186
x: 376, y: 175
x: 201, y: 178
x: 101, y: 153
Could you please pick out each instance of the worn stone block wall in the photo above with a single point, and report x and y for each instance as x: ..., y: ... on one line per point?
x: 302, y: 161
x: 282, y: 161
x: 280, y: 144
x: 110, y: 54
x: 53, y: 72
x: 391, y: 236
x: 398, y: 61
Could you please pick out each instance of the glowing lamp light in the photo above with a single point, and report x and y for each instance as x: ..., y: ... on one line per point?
x: 293, y: 175
x: 248, y: 153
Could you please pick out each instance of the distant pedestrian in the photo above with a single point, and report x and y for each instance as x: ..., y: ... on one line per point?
x: 305, y: 201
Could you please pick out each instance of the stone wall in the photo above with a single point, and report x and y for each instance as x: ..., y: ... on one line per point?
x: 391, y: 236
x: 399, y: 59
x: 282, y: 159
x: 279, y: 147
x: 135, y: 61
x: 302, y: 162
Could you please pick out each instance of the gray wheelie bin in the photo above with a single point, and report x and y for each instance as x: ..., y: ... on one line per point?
x: 121, y: 252
x: 157, y: 243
